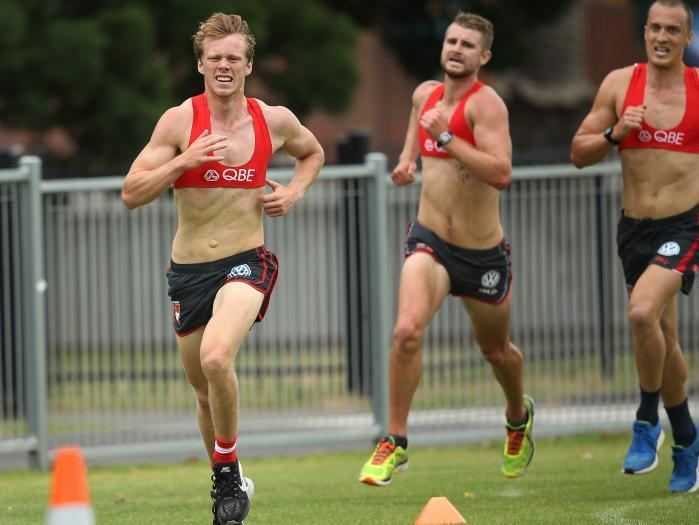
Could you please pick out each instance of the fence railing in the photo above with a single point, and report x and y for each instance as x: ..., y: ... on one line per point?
x: 87, y: 352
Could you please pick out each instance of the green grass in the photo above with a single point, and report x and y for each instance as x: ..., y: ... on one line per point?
x: 573, y: 480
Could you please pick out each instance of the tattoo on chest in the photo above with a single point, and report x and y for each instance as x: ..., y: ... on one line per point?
x: 462, y: 174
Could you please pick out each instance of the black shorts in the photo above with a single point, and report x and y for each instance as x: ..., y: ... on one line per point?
x: 193, y: 287
x: 485, y: 275
x: 672, y: 243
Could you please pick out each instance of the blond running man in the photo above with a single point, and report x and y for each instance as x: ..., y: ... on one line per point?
x: 214, y: 149
x: 460, y: 129
x: 650, y: 112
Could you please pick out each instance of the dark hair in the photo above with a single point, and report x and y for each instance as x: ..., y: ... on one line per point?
x: 219, y: 25
x: 676, y: 3
x: 477, y: 23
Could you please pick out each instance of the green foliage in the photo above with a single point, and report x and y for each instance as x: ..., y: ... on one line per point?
x: 414, y: 30
x: 105, y: 71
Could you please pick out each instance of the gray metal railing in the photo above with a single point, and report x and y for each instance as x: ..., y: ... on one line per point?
x: 86, y: 321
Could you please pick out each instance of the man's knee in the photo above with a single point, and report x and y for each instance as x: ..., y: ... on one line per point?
x: 494, y: 353
x: 215, y: 360
x: 406, y: 336
x: 202, y: 398
x: 642, y: 316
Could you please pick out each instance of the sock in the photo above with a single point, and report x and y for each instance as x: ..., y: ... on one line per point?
x: 648, y: 409
x: 224, y: 451
x: 517, y: 424
x: 399, y: 441
x: 683, y: 430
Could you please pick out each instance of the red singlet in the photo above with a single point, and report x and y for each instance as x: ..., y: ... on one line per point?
x: 684, y: 136
x: 457, y: 124
x: 252, y: 174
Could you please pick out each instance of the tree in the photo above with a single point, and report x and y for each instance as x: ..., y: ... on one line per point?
x: 105, y: 71
x: 414, y: 30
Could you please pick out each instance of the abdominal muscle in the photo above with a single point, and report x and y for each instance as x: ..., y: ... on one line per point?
x: 460, y: 209
x: 214, y: 223
x: 659, y: 183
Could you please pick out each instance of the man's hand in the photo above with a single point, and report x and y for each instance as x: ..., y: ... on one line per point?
x: 434, y: 121
x: 630, y: 120
x: 280, y: 201
x: 403, y: 173
x: 198, y: 151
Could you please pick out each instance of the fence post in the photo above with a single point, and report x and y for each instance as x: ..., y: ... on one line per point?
x: 34, y: 312
x: 604, y: 280
x: 380, y: 288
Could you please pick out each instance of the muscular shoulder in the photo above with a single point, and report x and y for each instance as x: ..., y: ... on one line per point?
x: 616, y: 83
x: 423, y: 91
x: 280, y: 120
x: 174, y: 123
x: 486, y: 103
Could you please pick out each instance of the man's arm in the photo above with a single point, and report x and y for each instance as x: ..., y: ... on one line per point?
x: 158, y: 165
x: 407, y: 161
x: 300, y: 143
x: 491, y: 161
x: 589, y: 146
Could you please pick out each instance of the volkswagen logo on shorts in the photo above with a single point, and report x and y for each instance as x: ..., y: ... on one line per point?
x: 490, y: 279
x: 669, y: 249
x: 242, y: 270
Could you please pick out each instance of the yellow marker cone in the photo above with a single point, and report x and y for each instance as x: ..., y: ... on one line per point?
x: 69, y: 502
x: 439, y: 511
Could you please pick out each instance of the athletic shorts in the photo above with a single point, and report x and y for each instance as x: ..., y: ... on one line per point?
x: 193, y: 287
x: 485, y: 275
x: 671, y: 243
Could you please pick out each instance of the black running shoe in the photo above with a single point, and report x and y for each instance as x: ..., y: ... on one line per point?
x: 231, y: 493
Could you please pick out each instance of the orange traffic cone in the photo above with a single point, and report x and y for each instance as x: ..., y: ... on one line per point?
x: 439, y: 511
x: 69, y: 503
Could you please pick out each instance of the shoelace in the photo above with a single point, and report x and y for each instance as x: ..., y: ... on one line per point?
x: 226, y: 485
x: 515, y: 439
x: 641, y: 440
x: 384, y: 450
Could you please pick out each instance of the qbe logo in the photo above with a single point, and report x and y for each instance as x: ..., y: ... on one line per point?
x: 661, y: 136
x: 242, y: 270
x: 211, y: 176
x: 431, y: 145
x: 231, y: 174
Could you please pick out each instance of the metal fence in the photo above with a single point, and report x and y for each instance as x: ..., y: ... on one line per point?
x: 88, y: 356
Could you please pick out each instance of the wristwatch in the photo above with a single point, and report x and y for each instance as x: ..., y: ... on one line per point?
x: 444, y: 138
x: 608, y: 136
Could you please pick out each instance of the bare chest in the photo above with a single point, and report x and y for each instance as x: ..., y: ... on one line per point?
x: 239, y: 144
x: 665, y: 109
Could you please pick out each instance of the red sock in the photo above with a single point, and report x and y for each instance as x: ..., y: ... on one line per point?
x: 224, y: 451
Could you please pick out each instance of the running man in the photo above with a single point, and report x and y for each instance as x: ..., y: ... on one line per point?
x: 214, y: 149
x: 460, y: 129
x: 650, y: 111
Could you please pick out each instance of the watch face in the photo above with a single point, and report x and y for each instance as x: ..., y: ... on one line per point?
x: 444, y: 138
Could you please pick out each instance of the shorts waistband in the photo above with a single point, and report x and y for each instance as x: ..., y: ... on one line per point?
x: 665, y: 220
x: 476, y: 252
x: 218, y: 264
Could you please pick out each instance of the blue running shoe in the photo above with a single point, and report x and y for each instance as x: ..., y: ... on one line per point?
x: 642, y: 456
x: 685, y: 473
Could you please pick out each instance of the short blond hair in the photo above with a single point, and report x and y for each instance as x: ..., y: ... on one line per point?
x: 219, y: 25
x: 477, y: 23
